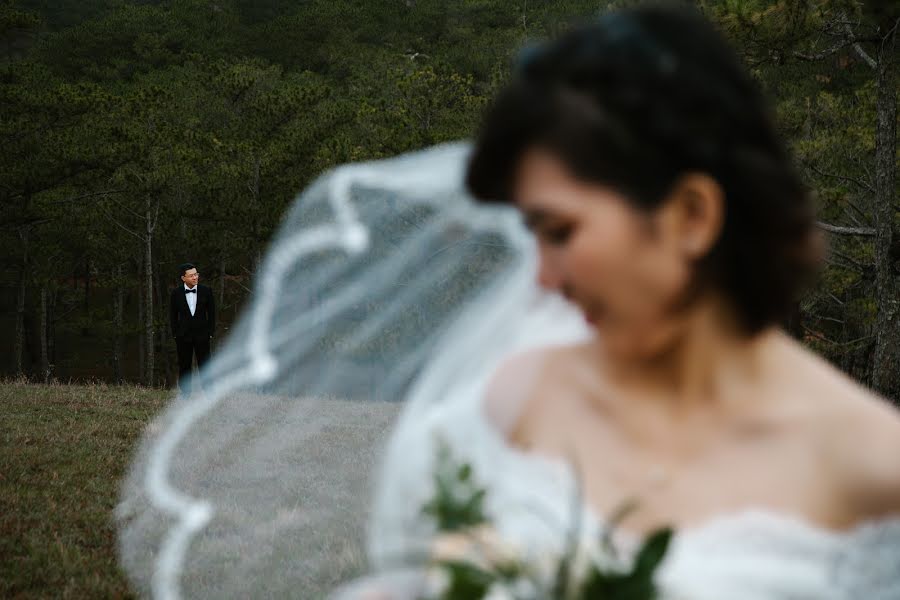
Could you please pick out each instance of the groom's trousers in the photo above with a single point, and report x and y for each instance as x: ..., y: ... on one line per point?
x: 187, y: 348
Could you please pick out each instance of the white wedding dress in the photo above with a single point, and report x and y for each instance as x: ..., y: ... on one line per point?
x: 533, y: 502
x: 755, y: 554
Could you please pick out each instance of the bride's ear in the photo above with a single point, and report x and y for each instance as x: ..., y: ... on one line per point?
x: 692, y: 216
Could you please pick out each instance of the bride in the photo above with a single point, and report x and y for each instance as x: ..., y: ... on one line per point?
x: 625, y: 352
x: 641, y: 156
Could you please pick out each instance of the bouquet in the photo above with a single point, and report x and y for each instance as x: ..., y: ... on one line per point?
x: 469, y: 560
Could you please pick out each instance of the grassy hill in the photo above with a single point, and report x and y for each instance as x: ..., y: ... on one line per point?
x: 64, y: 450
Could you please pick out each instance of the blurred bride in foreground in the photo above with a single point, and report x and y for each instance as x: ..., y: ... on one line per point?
x: 641, y: 156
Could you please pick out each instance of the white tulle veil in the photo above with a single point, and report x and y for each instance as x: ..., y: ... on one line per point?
x: 386, y: 292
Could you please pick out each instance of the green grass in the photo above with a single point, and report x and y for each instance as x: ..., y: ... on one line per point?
x: 63, y: 452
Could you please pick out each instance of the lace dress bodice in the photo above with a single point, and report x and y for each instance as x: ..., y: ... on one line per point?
x: 755, y: 554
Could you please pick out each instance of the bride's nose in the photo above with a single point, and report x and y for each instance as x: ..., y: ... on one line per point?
x: 549, y: 274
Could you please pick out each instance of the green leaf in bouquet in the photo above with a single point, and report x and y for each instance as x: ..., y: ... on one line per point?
x: 637, y: 584
x: 473, y: 508
x: 458, y: 501
x: 652, y: 552
x: 467, y: 581
x: 617, y: 586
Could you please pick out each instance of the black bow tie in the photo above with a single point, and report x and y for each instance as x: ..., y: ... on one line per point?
x: 193, y: 291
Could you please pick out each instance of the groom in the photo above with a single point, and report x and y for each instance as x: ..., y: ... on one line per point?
x: 192, y: 315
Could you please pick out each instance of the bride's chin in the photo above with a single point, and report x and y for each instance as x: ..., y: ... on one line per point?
x: 615, y: 347
x: 634, y: 346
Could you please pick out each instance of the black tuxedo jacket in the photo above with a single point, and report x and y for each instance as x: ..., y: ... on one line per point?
x: 200, y: 325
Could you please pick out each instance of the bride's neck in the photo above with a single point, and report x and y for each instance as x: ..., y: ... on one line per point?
x: 699, y: 359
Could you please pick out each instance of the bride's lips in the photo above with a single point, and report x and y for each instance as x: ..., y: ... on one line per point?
x: 592, y: 315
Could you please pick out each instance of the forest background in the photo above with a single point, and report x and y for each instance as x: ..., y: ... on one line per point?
x: 139, y: 135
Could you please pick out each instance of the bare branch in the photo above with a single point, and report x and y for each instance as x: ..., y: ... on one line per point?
x: 78, y: 169
x: 858, y: 211
x: 115, y: 222
x: 851, y: 263
x: 892, y: 30
x: 820, y: 336
x: 60, y: 317
x: 847, y: 38
x: 858, y: 47
x: 125, y: 208
x: 824, y: 318
x: 22, y: 224
x: 842, y: 230
x: 865, y: 167
x: 864, y: 185
x: 853, y: 217
x: 89, y: 195
x: 843, y: 265
x: 824, y: 53
x: 865, y: 338
x: 862, y: 267
x: 864, y: 55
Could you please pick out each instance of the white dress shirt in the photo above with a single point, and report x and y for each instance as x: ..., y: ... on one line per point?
x: 191, y: 299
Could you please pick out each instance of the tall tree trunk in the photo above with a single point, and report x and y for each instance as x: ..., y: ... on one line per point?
x: 142, y: 345
x: 19, y: 341
x: 118, y: 309
x: 221, y: 301
x: 886, y: 367
x: 42, y: 333
x: 848, y: 354
x: 254, y: 200
x: 87, y: 285
x: 51, y: 329
x: 148, y: 296
x: 162, y: 332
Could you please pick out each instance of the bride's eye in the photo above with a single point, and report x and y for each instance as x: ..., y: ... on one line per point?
x: 557, y: 234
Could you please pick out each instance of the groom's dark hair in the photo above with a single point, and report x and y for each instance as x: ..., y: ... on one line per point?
x: 640, y: 97
x: 185, y: 268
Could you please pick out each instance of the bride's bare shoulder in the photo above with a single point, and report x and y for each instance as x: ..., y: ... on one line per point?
x: 841, y: 400
x: 518, y: 380
x: 861, y: 432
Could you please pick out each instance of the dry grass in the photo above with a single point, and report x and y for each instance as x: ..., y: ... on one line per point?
x: 63, y: 451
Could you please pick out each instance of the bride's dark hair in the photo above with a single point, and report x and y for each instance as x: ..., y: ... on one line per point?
x: 639, y: 97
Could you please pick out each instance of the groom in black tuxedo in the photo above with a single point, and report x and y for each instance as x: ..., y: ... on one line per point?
x: 192, y: 315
